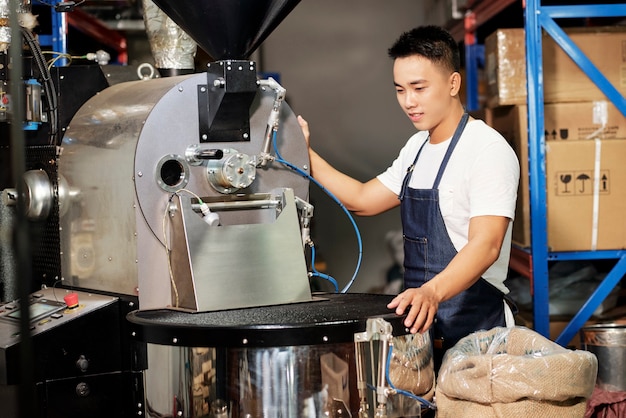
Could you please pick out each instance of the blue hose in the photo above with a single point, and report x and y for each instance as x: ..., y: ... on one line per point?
x: 306, y: 175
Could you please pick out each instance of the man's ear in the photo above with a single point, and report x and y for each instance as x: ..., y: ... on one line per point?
x: 455, y: 83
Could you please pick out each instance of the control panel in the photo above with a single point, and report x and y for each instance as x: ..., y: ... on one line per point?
x: 49, y: 308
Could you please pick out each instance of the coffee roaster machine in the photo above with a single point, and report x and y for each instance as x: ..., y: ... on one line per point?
x: 171, y: 226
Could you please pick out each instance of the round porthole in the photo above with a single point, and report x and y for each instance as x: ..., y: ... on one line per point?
x: 172, y: 173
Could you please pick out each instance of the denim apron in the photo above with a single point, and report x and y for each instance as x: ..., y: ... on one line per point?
x: 427, y: 251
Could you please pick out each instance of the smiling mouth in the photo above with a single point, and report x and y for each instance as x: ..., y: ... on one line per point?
x: 415, y: 117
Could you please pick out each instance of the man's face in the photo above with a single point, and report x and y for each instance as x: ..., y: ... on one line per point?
x: 423, y: 89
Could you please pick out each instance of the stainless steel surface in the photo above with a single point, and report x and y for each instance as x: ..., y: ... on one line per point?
x: 295, y: 360
x: 232, y: 172
x: 172, y: 173
x: 235, y: 266
x: 608, y: 343
x: 195, y: 154
x: 308, y: 381
x: 39, y: 194
x: 99, y: 234
x: 299, y: 381
x: 124, y: 156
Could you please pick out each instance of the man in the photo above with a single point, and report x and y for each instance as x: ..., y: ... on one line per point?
x: 456, y: 183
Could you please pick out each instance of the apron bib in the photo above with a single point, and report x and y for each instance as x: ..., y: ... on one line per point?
x: 428, y: 249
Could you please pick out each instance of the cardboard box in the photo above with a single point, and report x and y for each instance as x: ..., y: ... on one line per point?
x: 511, y: 122
x: 570, y: 168
x: 583, y: 121
x: 586, y: 195
x: 563, y: 80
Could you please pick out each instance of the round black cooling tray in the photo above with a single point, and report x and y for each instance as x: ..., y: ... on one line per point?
x: 328, y: 318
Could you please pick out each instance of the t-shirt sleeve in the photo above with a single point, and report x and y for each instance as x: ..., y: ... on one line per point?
x: 494, y: 181
x: 393, y: 177
x: 390, y: 178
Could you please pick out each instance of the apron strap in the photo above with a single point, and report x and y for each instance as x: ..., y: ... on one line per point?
x: 409, y: 171
x: 453, y: 142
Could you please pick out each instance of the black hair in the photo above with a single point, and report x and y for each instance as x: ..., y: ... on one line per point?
x: 431, y: 42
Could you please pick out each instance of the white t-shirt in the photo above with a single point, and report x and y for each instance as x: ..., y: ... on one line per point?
x: 481, y: 178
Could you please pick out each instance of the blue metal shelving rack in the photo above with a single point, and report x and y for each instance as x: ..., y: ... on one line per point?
x: 538, y: 17
x: 57, y: 40
x: 474, y: 52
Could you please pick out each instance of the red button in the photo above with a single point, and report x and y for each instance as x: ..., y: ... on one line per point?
x: 5, y: 100
x: 71, y: 300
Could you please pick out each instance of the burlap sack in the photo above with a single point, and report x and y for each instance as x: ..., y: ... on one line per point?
x: 511, y: 372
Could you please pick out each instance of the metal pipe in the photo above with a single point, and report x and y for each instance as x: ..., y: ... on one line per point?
x: 243, y: 204
x: 173, y: 49
x: 196, y: 155
x: 273, y: 120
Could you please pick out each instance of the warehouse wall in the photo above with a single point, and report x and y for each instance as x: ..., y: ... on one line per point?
x: 332, y: 59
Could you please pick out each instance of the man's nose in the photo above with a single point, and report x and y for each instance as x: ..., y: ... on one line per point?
x: 410, y: 100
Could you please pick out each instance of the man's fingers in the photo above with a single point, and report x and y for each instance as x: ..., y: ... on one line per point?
x: 304, y: 125
x: 416, y: 318
x: 430, y: 318
x: 421, y: 314
x: 394, y: 302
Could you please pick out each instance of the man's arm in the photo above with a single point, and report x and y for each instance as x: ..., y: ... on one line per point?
x: 364, y: 199
x: 486, y: 234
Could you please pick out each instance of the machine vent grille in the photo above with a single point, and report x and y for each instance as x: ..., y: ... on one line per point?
x: 45, y: 239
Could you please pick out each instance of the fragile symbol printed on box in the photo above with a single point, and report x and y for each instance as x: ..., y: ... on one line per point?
x: 581, y: 183
x: 582, y: 132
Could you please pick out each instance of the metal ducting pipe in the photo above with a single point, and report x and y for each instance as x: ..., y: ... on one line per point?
x: 173, y: 50
x: 25, y: 18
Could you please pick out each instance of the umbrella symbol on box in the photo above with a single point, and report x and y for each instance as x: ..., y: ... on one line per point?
x: 583, y: 178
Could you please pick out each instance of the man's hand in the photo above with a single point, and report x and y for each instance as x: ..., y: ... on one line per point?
x: 305, y: 129
x: 424, y: 305
x: 363, y: 199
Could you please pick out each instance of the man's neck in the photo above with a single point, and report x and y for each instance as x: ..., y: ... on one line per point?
x: 446, y: 128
